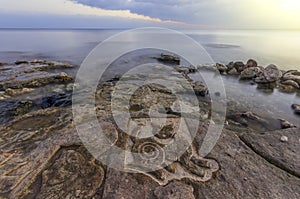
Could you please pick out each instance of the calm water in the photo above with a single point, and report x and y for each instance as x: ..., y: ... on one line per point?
x: 278, y: 47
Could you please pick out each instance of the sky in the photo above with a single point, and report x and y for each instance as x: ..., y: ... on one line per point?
x: 220, y: 14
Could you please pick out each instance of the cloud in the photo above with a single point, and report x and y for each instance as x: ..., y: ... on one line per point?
x: 65, y: 7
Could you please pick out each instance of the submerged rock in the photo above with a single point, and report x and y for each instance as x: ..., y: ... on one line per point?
x: 186, y: 69
x: 291, y: 83
x: 169, y: 58
x: 36, y: 79
x: 14, y: 92
x: 19, y: 62
x: 30, y: 75
x: 293, y: 75
x: 13, y: 108
x: 296, y: 108
x: 57, y: 100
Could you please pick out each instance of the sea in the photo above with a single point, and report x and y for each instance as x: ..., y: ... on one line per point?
x: 278, y: 47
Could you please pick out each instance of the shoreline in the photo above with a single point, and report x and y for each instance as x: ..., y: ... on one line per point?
x: 256, y: 149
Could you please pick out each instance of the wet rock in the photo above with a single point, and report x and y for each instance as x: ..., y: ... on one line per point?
x: 251, y: 63
x: 286, y: 88
x: 13, y: 108
x: 57, y: 100
x: 186, y: 69
x: 200, y: 88
x: 19, y: 62
x: 169, y: 58
x: 175, y: 190
x: 14, y: 92
x: 269, y: 75
x: 221, y: 68
x: 291, y: 83
x: 36, y: 79
x: 230, y: 66
x: 233, y: 71
x: 248, y: 120
x: 286, y: 124
x: 272, y: 73
x: 250, y: 73
x: 239, y: 66
x: 293, y: 75
x: 296, y: 108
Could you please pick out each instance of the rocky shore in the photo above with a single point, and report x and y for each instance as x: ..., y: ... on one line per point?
x: 42, y: 156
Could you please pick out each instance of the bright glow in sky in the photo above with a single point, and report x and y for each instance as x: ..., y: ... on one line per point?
x: 280, y: 14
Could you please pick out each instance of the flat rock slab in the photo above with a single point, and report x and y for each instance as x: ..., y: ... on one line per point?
x: 245, y: 174
x: 284, y: 155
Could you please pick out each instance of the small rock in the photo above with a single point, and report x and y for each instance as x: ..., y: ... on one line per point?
x: 63, y: 74
x: 251, y: 63
x: 200, y: 89
x: 250, y: 73
x: 186, y: 69
x: 221, y: 68
x: 13, y: 92
x: 233, y: 72
x: 296, y: 108
x: 19, y: 62
x: 170, y: 58
x: 286, y: 124
x: 284, y: 139
x: 240, y: 66
x: 230, y: 66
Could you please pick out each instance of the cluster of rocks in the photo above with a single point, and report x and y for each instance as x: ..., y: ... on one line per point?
x: 25, y: 77
x: 32, y: 74
x: 268, y: 77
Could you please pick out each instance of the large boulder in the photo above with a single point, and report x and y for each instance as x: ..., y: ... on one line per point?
x: 269, y: 75
x: 272, y: 73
